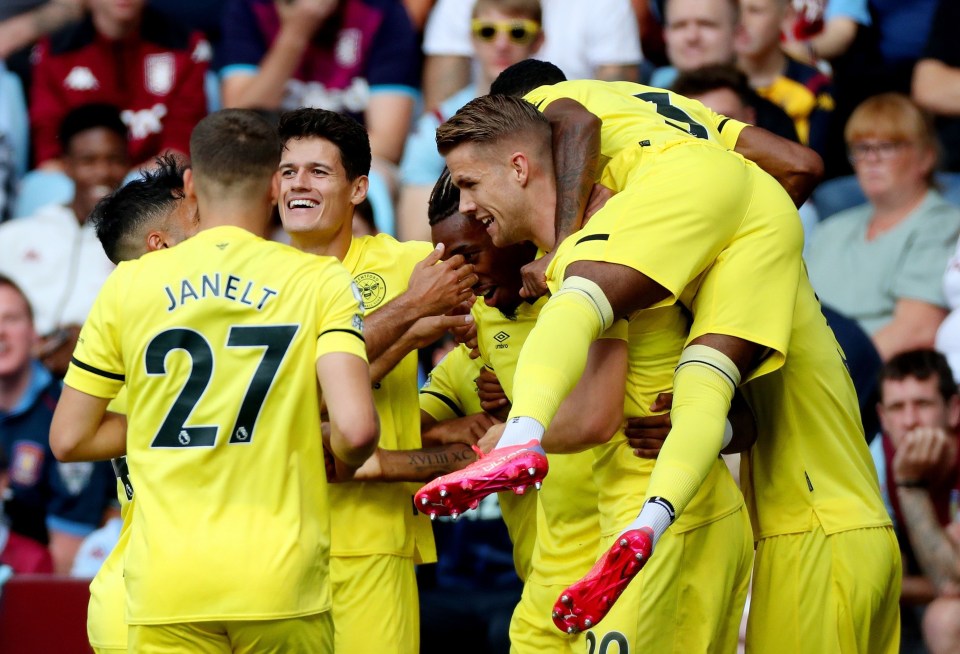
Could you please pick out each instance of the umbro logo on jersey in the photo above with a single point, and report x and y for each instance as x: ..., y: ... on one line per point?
x: 500, y: 338
x: 81, y: 78
x: 222, y: 245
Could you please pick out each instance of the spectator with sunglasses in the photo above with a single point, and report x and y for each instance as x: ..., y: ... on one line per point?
x: 503, y: 33
x: 596, y: 39
x: 882, y: 263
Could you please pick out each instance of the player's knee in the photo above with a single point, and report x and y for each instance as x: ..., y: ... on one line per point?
x: 941, y: 625
x: 594, y: 295
x: 628, y: 290
x: 745, y: 355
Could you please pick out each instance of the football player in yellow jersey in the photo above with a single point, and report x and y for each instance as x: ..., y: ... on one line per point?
x: 721, y: 251
x: 212, y: 341
x: 406, y: 291
x: 650, y: 618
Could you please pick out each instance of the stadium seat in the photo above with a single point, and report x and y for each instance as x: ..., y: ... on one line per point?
x: 44, y: 613
x: 40, y: 187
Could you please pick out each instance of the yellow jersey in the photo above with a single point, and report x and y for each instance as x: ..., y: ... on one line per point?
x: 810, y: 463
x: 568, y: 524
x: 378, y: 517
x: 635, y: 114
x: 451, y: 387
x: 216, y: 341
x: 451, y: 392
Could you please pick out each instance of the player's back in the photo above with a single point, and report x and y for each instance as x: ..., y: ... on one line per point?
x: 219, y: 339
x: 810, y: 463
x: 638, y: 115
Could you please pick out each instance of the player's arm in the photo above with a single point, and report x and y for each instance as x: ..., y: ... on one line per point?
x: 593, y: 412
x: 464, y: 429
x: 354, y: 426
x: 798, y: 168
x: 576, y: 154
x: 415, y: 465
x: 422, y: 333
x: 82, y: 430
x: 436, y: 287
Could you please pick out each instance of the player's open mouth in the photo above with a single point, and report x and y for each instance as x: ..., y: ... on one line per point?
x: 302, y: 203
x: 486, y: 291
x: 486, y: 221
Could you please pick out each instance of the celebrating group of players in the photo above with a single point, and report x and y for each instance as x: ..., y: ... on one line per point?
x: 687, y: 278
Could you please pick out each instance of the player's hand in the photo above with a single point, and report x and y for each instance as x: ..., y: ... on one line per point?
x: 492, y: 398
x: 534, y: 276
x: 437, y: 286
x: 466, y: 334
x: 430, y: 328
x: 491, y: 438
x: 468, y: 430
x: 646, y: 435
x: 598, y: 197
x: 304, y: 17
x: 921, y: 452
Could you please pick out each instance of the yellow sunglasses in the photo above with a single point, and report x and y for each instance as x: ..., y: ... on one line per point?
x: 520, y: 31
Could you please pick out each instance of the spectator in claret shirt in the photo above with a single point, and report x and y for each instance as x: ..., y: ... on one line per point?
x: 358, y: 57
x: 121, y: 53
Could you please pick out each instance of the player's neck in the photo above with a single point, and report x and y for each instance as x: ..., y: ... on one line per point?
x: 543, y: 221
x: 241, y: 212
x: 324, y: 244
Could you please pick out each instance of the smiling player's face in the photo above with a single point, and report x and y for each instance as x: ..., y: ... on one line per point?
x: 489, y: 193
x: 315, y: 194
x: 497, y: 269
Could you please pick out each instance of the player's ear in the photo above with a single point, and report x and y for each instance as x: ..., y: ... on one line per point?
x: 155, y: 241
x: 361, y: 185
x: 520, y: 166
x: 189, y: 189
x: 275, y: 188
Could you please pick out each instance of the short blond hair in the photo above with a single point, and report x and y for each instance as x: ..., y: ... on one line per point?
x: 520, y: 8
x: 894, y: 117
x: 490, y: 119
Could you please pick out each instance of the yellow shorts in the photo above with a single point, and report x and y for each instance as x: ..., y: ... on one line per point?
x: 688, y: 598
x: 718, y: 233
x: 531, y: 628
x: 822, y: 594
x: 311, y: 634
x: 376, y: 607
x: 106, y: 622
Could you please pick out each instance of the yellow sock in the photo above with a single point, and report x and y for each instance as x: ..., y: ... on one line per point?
x: 703, y: 387
x: 555, y: 354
